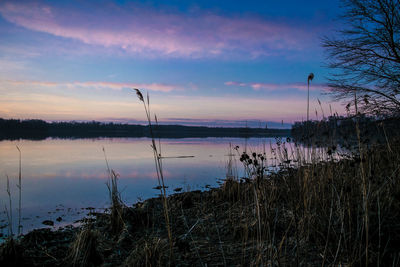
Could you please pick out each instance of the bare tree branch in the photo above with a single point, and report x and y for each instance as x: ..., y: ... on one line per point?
x: 365, y: 58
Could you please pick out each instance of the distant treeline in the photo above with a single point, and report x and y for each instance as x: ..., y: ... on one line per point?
x: 343, y: 130
x: 38, y: 129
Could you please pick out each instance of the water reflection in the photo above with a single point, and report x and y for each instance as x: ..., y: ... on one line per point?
x: 60, y: 177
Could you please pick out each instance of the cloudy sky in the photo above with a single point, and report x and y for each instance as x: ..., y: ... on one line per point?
x: 202, y: 62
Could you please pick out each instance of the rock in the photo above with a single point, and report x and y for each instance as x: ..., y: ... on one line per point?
x: 48, y: 222
x: 59, y: 219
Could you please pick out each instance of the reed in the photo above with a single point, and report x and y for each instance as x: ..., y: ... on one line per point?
x: 19, y: 186
x: 309, y: 79
x: 9, y: 211
x: 83, y: 249
x: 116, y: 220
x: 332, y: 199
x: 158, y: 162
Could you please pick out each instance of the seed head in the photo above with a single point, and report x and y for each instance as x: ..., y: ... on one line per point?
x: 139, y: 94
x: 310, y: 77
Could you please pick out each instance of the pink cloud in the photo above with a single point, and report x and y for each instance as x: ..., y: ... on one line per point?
x: 278, y: 86
x: 106, y: 85
x: 146, y: 32
x: 235, y: 84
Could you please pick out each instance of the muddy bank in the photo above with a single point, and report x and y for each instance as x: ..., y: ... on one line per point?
x: 203, y: 232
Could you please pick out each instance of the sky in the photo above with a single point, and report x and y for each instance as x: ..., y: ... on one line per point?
x: 215, y: 63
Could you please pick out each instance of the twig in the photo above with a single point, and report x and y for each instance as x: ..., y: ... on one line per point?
x: 191, y: 237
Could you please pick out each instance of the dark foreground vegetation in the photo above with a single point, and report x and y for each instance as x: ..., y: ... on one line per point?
x: 38, y: 129
x: 313, y: 212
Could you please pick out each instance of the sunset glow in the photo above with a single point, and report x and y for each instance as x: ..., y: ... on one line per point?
x: 201, y: 62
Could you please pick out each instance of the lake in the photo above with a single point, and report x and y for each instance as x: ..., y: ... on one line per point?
x: 61, y: 178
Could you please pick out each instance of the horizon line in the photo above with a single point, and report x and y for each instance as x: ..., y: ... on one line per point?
x: 252, y: 123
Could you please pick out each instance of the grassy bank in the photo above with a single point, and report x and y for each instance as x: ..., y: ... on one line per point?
x: 318, y: 213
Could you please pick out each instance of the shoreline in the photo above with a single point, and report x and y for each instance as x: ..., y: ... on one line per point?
x: 39, y: 130
x: 305, y: 215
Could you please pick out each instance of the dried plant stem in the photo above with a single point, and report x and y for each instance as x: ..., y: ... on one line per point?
x: 364, y: 189
x: 20, y: 193
x: 158, y: 163
x: 310, y: 78
x: 9, y: 213
x: 117, y: 222
x: 191, y: 237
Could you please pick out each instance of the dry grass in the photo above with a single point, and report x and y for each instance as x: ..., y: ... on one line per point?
x: 149, y: 251
x: 116, y: 221
x: 84, y: 248
x: 19, y: 186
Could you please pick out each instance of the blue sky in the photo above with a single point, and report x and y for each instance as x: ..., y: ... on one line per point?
x: 202, y: 62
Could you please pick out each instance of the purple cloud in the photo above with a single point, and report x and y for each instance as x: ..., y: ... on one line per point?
x: 230, y: 83
x: 100, y: 85
x: 277, y: 86
x: 155, y: 33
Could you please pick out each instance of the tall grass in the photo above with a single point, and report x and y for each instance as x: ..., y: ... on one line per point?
x: 83, y: 249
x: 9, y: 211
x: 231, y: 167
x: 116, y: 220
x: 20, y: 194
x: 331, y: 208
x: 157, y: 160
x: 309, y: 79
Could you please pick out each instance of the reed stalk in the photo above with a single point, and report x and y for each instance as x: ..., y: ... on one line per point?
x: 309, y: 78
x: 20, y: 193
x: 116, y: 220
x: 158, y: 162
x: 9, y: 212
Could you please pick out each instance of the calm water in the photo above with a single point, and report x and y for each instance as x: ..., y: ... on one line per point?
x: 61, y: 178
